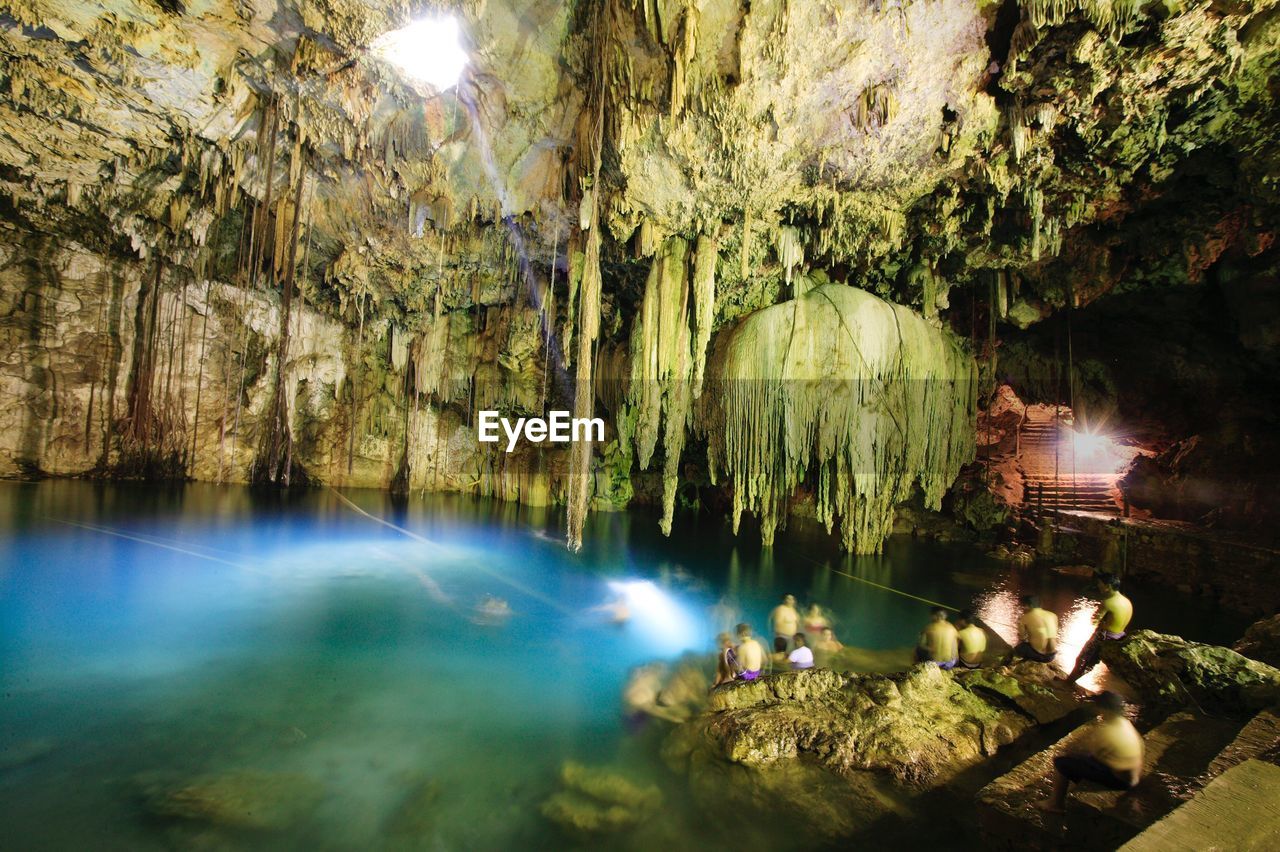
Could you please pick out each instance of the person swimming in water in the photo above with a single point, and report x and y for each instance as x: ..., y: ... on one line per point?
x: 749, y: 653
x: 726, y: 660
x: 801, y: 657
x: 938, y: 643
x: 492, y: 610
x: 785, y: 622
x: 1111, y: 754
x: 641, y: 696
x: 617, y: 611
x: 1037, y: 634
x: 815, y: 620
x: 972, y: 640
x: 1115, y: 611
x: 829, y: 643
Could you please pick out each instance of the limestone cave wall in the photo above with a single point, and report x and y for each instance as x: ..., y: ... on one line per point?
x: 240, y: 245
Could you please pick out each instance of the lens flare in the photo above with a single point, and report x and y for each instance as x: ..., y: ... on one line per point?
x: 667, y: 625
x: 426, y: 50
x: 1087, y: 444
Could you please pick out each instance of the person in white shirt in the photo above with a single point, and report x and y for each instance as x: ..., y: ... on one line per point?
x: 802, y: 656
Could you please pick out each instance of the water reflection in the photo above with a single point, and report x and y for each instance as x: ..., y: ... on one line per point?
x: 220, y: 630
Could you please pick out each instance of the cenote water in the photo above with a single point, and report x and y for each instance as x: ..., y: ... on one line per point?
x: 153, y: 638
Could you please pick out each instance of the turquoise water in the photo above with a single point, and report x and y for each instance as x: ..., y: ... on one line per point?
x: 153, y: 639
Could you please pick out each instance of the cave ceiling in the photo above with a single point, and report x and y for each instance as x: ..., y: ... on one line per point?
x: 1046, y: 151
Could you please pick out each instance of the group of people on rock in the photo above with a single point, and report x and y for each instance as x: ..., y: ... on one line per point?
x: 965, y: 642
x: 1109, y: 753
x: 743, y: 657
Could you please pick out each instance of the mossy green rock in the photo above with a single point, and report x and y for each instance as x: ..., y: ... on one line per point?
x: 865, y: 740
x: 1171, y: 671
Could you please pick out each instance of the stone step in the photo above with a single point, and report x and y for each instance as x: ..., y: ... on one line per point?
x: 1239, y: 810
x: 1103, y: 495
x: 1054, y: 487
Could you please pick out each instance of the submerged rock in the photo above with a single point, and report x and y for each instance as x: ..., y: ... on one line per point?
x: 242, y: 799
x: 595, y: 800
x: 414, y: 819
x: 20, y: 754
x: 1169, y: 670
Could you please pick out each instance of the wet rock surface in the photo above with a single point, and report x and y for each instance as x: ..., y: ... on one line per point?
x: 1170, y: 671
x: 1261, y: 641
x: 867, y: 741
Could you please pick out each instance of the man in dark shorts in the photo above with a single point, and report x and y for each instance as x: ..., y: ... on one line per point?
x: 1111, y: 754
x: 1037, y: 634
x: 1113, y: 616
x: 785, y: 621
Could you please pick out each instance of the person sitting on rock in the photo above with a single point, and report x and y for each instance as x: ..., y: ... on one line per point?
x: 802, y: 657
x: 1037, y: 634
x: 972, y: 640
x: 749, y: 653
x: 938, y: 643
x: 726, y: 661
x: 1111, y: 619
x: 785, y: 622
x: 1111, y: 755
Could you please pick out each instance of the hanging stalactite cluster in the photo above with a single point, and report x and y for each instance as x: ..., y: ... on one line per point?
x: 860, y: 399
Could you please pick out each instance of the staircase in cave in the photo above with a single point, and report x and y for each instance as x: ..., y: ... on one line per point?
x: 1053, y: 478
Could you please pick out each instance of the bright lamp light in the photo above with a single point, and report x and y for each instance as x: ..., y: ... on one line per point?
x: 1089, y: 443
x: 426, y: 50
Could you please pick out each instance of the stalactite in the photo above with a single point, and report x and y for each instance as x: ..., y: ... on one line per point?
x: 588, y: 324
x: 660, y: 390
x: 790, y: 250
x: 706, y: 257
x: 838, y: 384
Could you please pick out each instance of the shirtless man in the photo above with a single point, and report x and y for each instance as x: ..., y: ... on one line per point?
x: 938, y: 642
x: 1112, y: 755
x: 1113, y: 616
x: 1037, y: 634
x: 972, y: 640
x: 749, y: 653
x: 785, y: 622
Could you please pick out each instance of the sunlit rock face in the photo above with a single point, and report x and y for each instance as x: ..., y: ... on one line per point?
x: 242, y: 245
